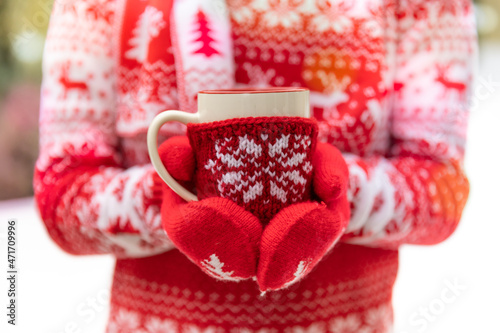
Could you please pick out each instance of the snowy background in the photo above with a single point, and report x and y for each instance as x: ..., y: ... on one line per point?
x: 59, y: 293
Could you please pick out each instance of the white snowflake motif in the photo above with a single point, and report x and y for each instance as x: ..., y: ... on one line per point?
x: 157, y: 325
x: 283, y: 13
x: 259, y: 77
x: 350, y: 324
x: 379, y: 316
x: 241, y: 11
x: 332, y: 16
x: 246, y: 155
x: 280, y: 168
x: 214, y: 268
x: 282, y: 155
x: 287, y: 151
x: 124, y: 322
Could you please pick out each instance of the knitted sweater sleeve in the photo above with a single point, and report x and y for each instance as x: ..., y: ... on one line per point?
x: 416, y: 194
x: 89, y: 202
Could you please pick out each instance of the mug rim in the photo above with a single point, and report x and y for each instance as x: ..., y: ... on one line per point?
x: 252, y: 90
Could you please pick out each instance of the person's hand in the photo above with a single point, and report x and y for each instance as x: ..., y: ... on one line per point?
x: 331, y: 180
x: 300, y: 235
x: 216, y: 234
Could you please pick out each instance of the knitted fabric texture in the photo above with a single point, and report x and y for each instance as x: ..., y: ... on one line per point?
x: 262, y: 163
x: 387, y: 80
x: 216, y: 234
x: 300, y: 235
x: 225, y: 240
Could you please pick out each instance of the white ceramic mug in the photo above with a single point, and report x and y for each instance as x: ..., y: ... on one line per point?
x: 215, y: 105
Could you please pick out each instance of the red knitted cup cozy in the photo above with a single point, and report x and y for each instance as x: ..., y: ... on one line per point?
x: 262, y: 163
x: 249, y: 173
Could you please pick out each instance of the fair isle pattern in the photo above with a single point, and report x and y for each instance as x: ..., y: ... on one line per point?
x: 145, y: 75
x: 233, y: 305
x: 97, y: 206
x: 389, y: 81
x: 261, y: 163
x: 144, y: 92
x: 343, y: 51
x: 381, y: 317
x: 339, y: 43
x: 247, y: 157
x: 158, y: 68
x: 373, y: 90
x: 244, y: 157
x: 389, y: 219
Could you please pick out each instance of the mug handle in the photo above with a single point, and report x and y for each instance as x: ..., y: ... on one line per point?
x: 154, y: 129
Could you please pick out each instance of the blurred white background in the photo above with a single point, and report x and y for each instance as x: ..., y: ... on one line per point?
x: 59, y: 293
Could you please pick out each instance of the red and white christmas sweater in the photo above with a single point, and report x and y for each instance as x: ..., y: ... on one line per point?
x: 389, y: 84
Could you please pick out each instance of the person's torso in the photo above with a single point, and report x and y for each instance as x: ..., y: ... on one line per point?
x: 342, y: 52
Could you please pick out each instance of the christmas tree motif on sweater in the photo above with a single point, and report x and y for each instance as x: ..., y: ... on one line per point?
x: 148, y: 26
x: 214, y: 266
x: 350, y: 324
x: 205, y: 36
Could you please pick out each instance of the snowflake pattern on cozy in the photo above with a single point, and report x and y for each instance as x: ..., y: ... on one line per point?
x: 262, y: 163
x: 389, y: 82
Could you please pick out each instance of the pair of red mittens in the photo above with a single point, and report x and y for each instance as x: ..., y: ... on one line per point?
x: 229, y: 243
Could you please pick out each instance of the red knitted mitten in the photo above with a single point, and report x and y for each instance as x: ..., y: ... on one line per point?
x: 215, y: 233
x: 178, y: 157
x: 299, y: 236
x: 331, y: 180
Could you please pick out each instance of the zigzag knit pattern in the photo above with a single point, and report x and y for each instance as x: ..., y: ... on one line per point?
x: 261, y: 163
